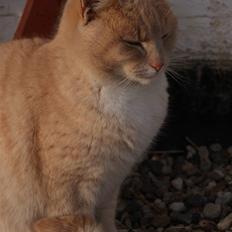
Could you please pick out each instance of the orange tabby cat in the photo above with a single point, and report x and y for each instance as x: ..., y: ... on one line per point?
x: 77, y: 112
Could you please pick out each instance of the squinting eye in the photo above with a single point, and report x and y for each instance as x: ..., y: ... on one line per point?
x: 165, y: 36
x: 133, y: 43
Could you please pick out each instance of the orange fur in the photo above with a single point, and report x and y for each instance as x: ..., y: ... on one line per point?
x: 77, y: 112
x: 67, y: 224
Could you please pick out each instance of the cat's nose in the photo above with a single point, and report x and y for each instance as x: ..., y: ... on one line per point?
x: 156, y: 66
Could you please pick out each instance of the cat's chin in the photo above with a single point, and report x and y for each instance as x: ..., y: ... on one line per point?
x: 145, y: 80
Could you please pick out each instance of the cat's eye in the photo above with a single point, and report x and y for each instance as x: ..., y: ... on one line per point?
x: 133, y: 43
x: 165, y: 36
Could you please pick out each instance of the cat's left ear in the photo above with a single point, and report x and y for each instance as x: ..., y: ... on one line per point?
x: 89, y: 8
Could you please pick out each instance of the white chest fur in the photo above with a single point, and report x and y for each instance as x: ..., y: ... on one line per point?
x: 143, y: 107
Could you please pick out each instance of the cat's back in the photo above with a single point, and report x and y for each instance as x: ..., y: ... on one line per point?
x: 15, y: 55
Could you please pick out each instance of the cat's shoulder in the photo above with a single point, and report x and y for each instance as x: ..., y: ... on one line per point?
x: 22, y: 46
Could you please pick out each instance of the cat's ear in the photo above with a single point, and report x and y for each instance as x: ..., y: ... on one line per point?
x: 89, y: 8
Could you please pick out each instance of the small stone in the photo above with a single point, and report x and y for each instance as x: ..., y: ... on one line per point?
x: 207, y: 225
x: 178, y: 184
x: 216, y: 175
x: 219, y: 173
x: 211, y: 185
x: 189, y: 169
x: 215, y: 147
x: 161, y: 220
x: 204, y: 158
x: 224, y: 198
x: 160, y: 229
x: 190, y: 152
x: 225, y: 211
x: 177, y: 207
x: 160, y: 204
x: 226, y: 223
x: 189, y: 155
x: 212, y: 211
x: 182, y: 218
x: 228, y: 179
x: 191, y: 149
x: 218, y: 157
x: 195, y: 200
x: 196, y: 217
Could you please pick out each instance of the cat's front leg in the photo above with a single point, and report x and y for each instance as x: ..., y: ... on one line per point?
x: 106, y: 213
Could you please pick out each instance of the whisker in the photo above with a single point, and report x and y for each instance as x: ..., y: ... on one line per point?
x: 178, y: 80
x: 122, y: 83
x: 179, y: 76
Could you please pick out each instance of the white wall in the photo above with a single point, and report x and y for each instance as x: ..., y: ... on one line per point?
x: 10, y: 11
x: 205, y: 26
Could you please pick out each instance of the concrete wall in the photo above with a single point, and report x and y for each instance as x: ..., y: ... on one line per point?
x: 205, y: 26
x: 10, y: 11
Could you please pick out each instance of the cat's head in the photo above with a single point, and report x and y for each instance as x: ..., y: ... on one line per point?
x: 132, y: 39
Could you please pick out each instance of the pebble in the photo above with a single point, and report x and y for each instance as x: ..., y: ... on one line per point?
x: 207, y: 225
x: 177, y: 207
x: 182, y: 218
x: 211, y: 185
x: 212, y: 211
x: 195, y: 200
x: 217, y: 157
x: 204, y: 158
x: 160, y: 229
x: 178, y: 183
x: 190, y: 152
x: 160, y: 204
x: 215, y: 147
x: 189, y: 169
x: 226, y: 223
x: 191, y: 149
x: 176, y: 193
x: 161, y: 220
x: 196, y: 218
x: 217, y: 175
x: 224, y: 198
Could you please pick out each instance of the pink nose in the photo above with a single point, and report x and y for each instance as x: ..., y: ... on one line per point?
x: 157, y: 66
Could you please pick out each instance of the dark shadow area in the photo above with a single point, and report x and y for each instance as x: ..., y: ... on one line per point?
x: 185, y: 183
x: 200, y: 108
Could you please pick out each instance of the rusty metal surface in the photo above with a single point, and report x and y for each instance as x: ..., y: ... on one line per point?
x: 40, y: 18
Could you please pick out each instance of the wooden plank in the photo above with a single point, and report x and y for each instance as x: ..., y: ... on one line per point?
x: 40, y: 18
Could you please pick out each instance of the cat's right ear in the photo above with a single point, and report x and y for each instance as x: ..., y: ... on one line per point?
x: 90, y: 8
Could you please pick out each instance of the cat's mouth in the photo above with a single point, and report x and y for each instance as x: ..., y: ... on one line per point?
x: 144, y: 75
x: 150, y: 75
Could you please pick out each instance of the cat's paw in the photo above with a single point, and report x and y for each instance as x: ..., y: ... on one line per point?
x: 67, y: 224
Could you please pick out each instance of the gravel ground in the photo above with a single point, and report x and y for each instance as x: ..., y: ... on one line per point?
x: 178, y: 191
